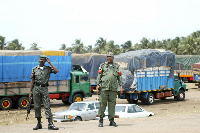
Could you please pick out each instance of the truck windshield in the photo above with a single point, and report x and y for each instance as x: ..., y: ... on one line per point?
x: 84, y: 78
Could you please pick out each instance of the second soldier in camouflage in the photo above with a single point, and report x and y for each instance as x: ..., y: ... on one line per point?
x: 108, y: 79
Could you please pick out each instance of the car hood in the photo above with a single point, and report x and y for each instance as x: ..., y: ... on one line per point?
x: 68, y: 112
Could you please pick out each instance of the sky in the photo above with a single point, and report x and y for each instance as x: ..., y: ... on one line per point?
x: 50, y: 23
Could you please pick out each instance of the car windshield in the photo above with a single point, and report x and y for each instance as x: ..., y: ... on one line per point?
x: 77, y: 106
x: 118, y: 109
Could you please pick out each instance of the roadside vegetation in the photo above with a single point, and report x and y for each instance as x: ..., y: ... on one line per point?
x: 189, y: 45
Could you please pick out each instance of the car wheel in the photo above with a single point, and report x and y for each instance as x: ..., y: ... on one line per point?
x: 181, y: 95
x: 77, y: 98
x: 5, y: 103
x: 150, y: 99
x: 22, y: 102
x: 78, y: 119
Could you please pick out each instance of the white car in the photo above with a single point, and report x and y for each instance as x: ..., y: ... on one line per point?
x: 128, y: 111
x: 78, y: 111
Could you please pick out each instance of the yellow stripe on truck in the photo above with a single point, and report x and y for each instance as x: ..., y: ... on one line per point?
x: 54, y: 53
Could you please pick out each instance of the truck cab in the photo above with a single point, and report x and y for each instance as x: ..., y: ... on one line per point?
x: 80, y: 86
x: 179, y: 88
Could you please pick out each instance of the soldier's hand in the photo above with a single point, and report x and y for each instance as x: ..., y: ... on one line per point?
x: 121, y: 90
x: 97, y: 88
x: 30, y: 94
x: 48, y: 60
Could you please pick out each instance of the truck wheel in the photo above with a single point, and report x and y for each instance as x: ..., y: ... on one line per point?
x: 5, y: 103
x: 150, y: 99
x: 77, y: 98
x: 22, y: 102
x: 65, y: 102
x: 163, y: 98
x: 181, y: 95
x: 131, y: 101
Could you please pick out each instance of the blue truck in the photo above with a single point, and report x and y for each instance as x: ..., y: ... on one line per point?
x: 148, y: 74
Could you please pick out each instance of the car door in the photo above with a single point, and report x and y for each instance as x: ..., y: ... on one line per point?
x: 131, y: 113
x: 91, y: 112
x: 139, y: 111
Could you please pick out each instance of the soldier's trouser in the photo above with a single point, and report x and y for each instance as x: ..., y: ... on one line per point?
x: 110, y: 97
x: 41, y: 94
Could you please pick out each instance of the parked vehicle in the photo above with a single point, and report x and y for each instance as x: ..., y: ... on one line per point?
x: 71, y: 84
x: 148, y: 74
x: 128, y: 111
x: 78, y: 111
x: 91, y: 63
x: 185, y: 66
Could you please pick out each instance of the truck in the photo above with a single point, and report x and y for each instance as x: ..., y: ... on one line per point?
x: 148, y: 74
x: 184, y: 65
x: 91, y: 63
x: 70, y: 84
x: 196, y: 73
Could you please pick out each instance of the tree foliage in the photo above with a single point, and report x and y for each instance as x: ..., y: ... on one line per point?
x: 189, y: 45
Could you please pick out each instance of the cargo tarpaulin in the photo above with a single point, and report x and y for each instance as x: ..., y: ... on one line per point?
x: 90, y: 62
x: 139, y: 60
x: 18, y: 67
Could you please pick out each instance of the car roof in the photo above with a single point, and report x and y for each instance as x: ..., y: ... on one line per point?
x: 124, y: 104
x: 87, y: 102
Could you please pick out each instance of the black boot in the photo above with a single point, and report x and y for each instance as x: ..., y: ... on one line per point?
x: 51, y: 125
x: 39, y: 125
x: 112, y: 123
x: 101, y: 122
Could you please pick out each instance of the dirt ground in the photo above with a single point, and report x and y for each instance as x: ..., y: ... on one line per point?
x: 170, y: 116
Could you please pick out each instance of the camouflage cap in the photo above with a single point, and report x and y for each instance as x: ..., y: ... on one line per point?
x: 42, y: 56
x: 110, y: 54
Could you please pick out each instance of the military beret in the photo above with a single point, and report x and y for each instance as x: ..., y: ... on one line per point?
x: 42, y: 56
x: 110, y: 54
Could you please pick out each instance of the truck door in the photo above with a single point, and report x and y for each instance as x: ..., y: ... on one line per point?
x: 75, y: 83
x: 85, y: 83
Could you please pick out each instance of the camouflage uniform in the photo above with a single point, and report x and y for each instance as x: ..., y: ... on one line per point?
x: 108, y: 78
x: 40, y: 90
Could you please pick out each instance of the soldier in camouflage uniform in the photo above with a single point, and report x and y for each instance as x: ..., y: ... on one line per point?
x: 108, y: 79
x: 39, y: 86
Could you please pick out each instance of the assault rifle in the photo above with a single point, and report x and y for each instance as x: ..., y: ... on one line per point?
x: 29, y: 107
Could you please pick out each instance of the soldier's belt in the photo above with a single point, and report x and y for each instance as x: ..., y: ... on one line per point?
x: 42, y: 85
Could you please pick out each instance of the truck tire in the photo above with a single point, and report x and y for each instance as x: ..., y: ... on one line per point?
x: 131, y: 101
x: 150, y: 99
x: 65, y: 102
x: 5, y: 103
x: 181, y: 95
x: 77, y: 98
x: 163, y: 98
x: 22, y: 102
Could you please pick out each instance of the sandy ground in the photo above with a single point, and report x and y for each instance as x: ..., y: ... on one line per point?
x: 170, y: 116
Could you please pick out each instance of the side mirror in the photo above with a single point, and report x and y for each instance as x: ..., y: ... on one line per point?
x: 88, y: 109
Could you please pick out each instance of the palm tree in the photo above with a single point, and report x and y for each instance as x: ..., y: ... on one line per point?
x: 100, y: 45
x: 78, y: 47
x: 14, y: 45
x: 144, y: 43
x: 63, y: 47
x: 34, y: 47
x: 126, y: 46
x: 2, y: 43
x: 111, y: 47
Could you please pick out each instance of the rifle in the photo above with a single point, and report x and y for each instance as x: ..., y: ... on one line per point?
x: 29, y: 107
